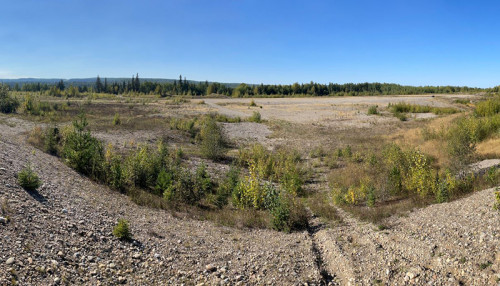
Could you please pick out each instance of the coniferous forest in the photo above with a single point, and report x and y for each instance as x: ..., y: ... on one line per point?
x: 182, y: 86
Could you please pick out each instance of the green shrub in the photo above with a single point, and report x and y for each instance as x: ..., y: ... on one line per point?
x: 213, y: 144
x: 8, y: 104
x: 227, y: 187
x: 115, y: 177
x: 372, y: 110
x: 203, y: 184
x: 488, y: 107
x: 462, y: 101
x: 164, y: 182
x: 371, y: 196
x: 347, y: 152
x: 461, y: 141
x: 249, y: 192
x: 144, y: 164
x: 28, y: 179
x: 288, y: 214
x: 51, y: 141
x: 252, y: 103
x: 442, y: 191
x: 122, y: 231
x: 256, y: 117
x: 402, y: 107
x: 116, y: 119
x: 184, y: 189
x: 83, y: 152
x: 400, y: 116
x: 280, y: 166
x: 492, y: 176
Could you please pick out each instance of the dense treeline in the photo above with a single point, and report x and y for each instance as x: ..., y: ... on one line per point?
x: 185, y: 87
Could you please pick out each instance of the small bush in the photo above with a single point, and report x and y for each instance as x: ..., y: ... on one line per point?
x: 83, y: 152
x: 122, y: 231
x: 184, y: 189
x: 256, y: 117
x: 116, y: 119
x: 144, y: 164
x: 227, y: 187
x: 51, y: 141
x: 488, y: 107
x: 373, y: 110
x: 28, y: 179
x: 252, y: 103
x: 400, y: 116
x: 164, y: 182
x: 212, y: 140
x: 8, y: 104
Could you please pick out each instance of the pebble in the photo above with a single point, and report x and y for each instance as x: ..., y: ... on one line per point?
x: 10, y: 261
x: 210, y: 268
x: 3, y: 220
x: 64, y: 211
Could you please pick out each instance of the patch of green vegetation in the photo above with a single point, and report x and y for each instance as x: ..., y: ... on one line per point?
x: 256, y: 117
x: 122, y: 231
x: 28, y: 179
x: 372, y: 110
x: 8, y: 104
x: 402, y: 107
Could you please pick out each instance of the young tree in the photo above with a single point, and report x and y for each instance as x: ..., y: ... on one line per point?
x: 98, y: 84
x: 60, y: 85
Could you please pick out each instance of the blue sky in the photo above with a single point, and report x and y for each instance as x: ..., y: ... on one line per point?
x: 408, y: 42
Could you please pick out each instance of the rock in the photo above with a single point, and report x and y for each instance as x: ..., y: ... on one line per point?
x: 30, y: 260
x: 111, y: 265
x: 410, y: 275
x: 122, y: 280
x: 57, y: 280
x: 10, y: 261
x: 64, y: 211
x: 136, y: 256
x: 60, y: 253
x: 3, y: 220
x: 210, y: 268
x: 239, y: 277
x: 157, y: 255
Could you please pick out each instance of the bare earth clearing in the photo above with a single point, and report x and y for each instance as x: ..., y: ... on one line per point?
x: 62, y: 234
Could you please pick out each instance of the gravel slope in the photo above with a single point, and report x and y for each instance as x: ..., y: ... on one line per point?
x: 62, y: 234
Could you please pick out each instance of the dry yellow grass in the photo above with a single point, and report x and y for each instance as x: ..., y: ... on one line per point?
x: 414, y: 138
x: 489, y: 148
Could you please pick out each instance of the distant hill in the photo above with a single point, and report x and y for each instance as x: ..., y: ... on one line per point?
x: 91, y: 81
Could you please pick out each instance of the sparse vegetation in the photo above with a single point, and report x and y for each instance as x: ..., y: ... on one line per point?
x: 116, y: 119
x: 8, y: 104
x: 255, y: 117
x: 372, y: 110
x: 415, y: 108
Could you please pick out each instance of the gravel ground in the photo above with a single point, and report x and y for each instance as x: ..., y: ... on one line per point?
x: 62, y: 235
